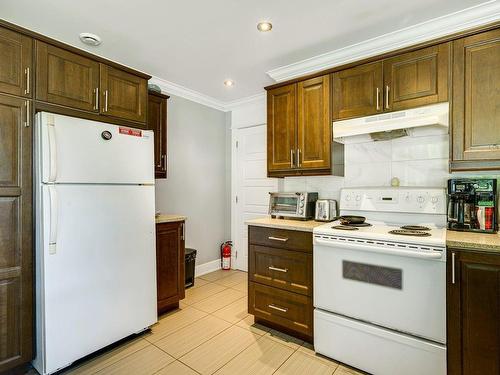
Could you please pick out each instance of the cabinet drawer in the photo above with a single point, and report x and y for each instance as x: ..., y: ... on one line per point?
x: 284, y: 269
x: 289, y: 310
x: 280, y: 238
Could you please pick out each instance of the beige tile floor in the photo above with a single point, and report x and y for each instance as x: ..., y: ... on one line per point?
x: 211, y: 333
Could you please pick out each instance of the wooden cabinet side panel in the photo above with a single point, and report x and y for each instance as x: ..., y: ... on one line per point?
x: 16, y: 59
x: 281, y: 127
x: 16, y: 247
x: 157, y: 121
x: 313, y: 124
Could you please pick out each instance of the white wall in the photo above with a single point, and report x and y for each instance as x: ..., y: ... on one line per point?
x: 197, y: 185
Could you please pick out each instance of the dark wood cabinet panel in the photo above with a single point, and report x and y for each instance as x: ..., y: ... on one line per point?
x: 157, y: 121
x: 66, y: 78
x: 284, y: 269
x: 169, y: 264
x: 476, y: 98
x: 416, y: 78
x: 123, y: 95
x: 473, y: 310
x: 313, y: 123
x: 281, y: 128
x: 16, y: 71
x: 358, y: 91
x: 281, y: 238
x: 16, y: 248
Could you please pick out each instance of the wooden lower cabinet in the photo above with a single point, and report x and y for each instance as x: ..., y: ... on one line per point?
x: 473, y: 312
x: 16, y: 246
x: 170, y: 246
x: 280, y: 280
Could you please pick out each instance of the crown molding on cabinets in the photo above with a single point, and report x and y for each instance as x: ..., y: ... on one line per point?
x: 469, y: 18
x: 195, y: 96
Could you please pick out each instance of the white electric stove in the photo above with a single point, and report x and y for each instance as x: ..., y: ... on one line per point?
x: 380, y: 288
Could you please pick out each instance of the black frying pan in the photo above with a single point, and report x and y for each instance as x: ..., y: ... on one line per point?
x: 346, y: 220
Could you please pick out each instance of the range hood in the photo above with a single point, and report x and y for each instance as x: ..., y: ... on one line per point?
x: 394, y: 123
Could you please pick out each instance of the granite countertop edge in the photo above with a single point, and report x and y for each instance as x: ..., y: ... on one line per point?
x: 169, y: 218
x: 298, y: 225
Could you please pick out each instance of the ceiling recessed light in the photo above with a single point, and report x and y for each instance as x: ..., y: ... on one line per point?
x: 90, y: 39
x: 229, y: 82
x: 264, y: 26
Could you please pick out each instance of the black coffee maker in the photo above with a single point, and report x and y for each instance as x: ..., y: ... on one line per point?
x: 472, y: 205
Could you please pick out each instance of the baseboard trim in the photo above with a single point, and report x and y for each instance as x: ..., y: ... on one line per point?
x: 203, y: 269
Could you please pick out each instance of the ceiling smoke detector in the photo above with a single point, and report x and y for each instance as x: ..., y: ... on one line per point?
x: 90, y: 39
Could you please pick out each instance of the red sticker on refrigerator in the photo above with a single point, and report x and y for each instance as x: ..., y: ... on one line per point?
x: 129, y: 131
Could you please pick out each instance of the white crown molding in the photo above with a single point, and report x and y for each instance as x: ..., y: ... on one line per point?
x: 468, y: 18
x: 245, y: 101
x: 195, y: 96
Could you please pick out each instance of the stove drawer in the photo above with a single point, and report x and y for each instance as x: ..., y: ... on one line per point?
x: 280, y: 238
x: 289, y: 310
x: 284, y: 269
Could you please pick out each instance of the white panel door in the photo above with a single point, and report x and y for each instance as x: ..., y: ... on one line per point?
x: 72, y: 150
x: 99, y: 275
x: 253, y: 186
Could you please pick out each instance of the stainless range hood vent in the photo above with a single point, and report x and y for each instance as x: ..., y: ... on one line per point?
x: 391, y: 125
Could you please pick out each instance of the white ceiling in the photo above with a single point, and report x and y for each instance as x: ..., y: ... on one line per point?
x: 198, y: 44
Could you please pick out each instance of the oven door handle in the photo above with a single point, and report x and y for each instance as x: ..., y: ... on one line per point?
x: 400, y: 252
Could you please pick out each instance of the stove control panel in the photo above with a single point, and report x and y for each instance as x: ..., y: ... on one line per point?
x: 403, y: 199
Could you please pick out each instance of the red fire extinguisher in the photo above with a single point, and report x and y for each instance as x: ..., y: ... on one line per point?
x: 225, y: 255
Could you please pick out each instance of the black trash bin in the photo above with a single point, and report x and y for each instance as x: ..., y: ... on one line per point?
x: 190, y: 258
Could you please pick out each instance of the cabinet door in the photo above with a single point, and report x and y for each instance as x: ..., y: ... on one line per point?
x: 15, y: 63
x: 16, y: 248
x: 476, y: 98
x: 169, y: 264
x: 416, y: 78
x: 281, y: 128
x: 313, y: 124
x: 66, y: 78
x: 357, y: 91
x: 473, y: 310
x: 124, y: 95
x: 157, y: 121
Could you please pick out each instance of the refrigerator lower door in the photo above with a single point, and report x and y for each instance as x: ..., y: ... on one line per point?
x: 97, y: 269
x: 73, y: 150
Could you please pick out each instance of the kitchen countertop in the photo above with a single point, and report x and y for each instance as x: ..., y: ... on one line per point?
x: 476, y: 241
x: 300, y: 225
x: 164, y: 218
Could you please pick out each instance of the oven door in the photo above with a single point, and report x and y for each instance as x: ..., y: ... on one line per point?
x: 404, y: 291
x: 284, y: 204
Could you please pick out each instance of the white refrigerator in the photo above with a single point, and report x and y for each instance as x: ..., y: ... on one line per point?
x: 95, y: 237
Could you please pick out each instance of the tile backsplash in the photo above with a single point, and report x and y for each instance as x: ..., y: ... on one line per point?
x: 414, y: 160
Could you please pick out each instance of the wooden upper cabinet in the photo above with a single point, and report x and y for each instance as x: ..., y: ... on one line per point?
x: 16, y: 246
x: 157, y: 121
x: 124, y: 95
x: 357, y: 91
x: 16, y: 71
x: 313, y: 123
x: 476, y: 102
x: 66, y: 78
x: 416, y: 78
x: 473, y: 308
x: 281, y: 128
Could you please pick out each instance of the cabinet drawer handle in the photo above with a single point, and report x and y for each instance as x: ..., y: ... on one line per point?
x: 281, y: 239
x: 387, y: 97
x: 378, y: 99
x: 28, y: 114
x: 96, y: 95
x: 292, y: 159
x: 298, y: 158
x: 284, y: 270
x: 274, y: 307
x: 106, y: 101
x: 453, y: 268
x: 27, y: 73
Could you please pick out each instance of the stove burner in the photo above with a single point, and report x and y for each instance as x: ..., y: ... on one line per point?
x: 415, y: 227
x: 406, y: 232
x: 345, y: 227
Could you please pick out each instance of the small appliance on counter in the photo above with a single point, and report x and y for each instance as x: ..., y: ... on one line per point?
x: 298, y: 205
x: 472, y: 205
x: 326, y: 210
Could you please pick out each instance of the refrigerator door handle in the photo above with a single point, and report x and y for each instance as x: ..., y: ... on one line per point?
x: 53, y: 219
x: 51, y: 132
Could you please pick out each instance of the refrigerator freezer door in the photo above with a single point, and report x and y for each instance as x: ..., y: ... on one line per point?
x: 98, y: 276
x: 72, y: 150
